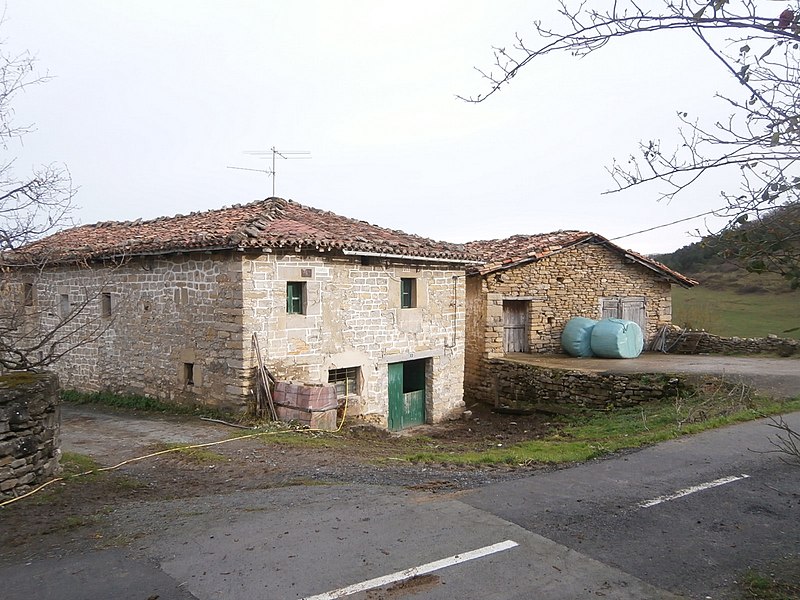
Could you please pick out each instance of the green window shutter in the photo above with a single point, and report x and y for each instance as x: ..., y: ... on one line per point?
x: 294, y: 297
x: 408, y: 292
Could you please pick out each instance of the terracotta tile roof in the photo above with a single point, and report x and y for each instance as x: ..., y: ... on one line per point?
x: 271, y: 223
x: 498, y: 255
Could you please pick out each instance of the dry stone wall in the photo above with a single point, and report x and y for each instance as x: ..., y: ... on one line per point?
x: 700, y: 342
x: 29, y: 431
x: 522, y: 385
x: 567, y: 284
x: 353, y: 319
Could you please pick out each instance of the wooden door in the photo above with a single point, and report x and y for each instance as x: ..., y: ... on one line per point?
x: 630, y: 308
x: 610, y: 308
x: 633, y: 309
x: 406, y: 394
x: 515, y: 325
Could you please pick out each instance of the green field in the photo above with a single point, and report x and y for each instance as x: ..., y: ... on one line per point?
x: 729, y: 313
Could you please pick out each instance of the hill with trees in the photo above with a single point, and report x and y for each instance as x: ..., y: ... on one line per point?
x: 727, y: 261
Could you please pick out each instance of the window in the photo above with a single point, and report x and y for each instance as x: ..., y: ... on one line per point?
x: 105, y: 304
x: 27, y: 294
x: 296, y: 297
x: 188, y: 373
x: 408, y: 292
x: 345, y: 381
x: 64, y: 306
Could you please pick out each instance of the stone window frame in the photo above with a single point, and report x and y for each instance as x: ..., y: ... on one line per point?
x: 343, y: 379
x: 188, y: 373
x: 106, y: 305
x: 408, y: 292
x: 64, y: 305
x: 296, y: 298
x: 28, y: 294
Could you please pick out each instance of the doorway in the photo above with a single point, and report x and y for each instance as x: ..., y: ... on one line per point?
x: 406, y: 394
x: 515, y: 325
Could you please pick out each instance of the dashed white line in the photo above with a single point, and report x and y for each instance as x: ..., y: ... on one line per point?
x: 692, y: 490
x: 414, y: 571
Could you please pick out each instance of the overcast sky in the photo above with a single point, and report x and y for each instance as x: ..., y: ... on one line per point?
x: 152, y: 100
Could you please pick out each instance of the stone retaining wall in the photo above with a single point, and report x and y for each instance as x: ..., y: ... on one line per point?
x: 522, y: 385
x: 701, y: 342
x: 29, y: 431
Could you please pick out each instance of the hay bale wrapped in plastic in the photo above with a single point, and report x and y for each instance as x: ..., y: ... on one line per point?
x: 576, y: 339
x: 617, y: 338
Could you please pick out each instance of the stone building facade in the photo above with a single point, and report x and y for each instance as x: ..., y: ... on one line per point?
x: 169, y: 308
x: 520, y: 299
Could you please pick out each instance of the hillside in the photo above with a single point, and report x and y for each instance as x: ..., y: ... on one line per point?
x: 731, y: 300
x: 747, y: 258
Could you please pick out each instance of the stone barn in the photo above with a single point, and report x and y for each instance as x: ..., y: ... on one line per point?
x: 529, y: 286
x: 375, y: 313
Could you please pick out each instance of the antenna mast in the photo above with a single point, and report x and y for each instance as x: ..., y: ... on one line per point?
x: 285, y: 154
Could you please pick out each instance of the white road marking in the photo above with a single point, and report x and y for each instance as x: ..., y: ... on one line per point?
x: 692, y: 490
x: 414, y: 571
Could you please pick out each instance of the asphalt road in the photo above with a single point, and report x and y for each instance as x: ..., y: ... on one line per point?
x: 574, y: 533
x: 695, y: 544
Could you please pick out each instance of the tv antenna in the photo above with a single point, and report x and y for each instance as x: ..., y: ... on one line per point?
x: 285, y: 154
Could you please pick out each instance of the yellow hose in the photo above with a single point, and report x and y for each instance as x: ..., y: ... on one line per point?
x: 167, y: 451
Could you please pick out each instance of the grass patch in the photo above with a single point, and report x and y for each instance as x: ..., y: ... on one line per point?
x: 726, y: 313
x: 143, y: 403
x: 596, y: 434
x: 195, y: 455
x: 73, y: 464
x: 302, y: 439
x: 758, y: 586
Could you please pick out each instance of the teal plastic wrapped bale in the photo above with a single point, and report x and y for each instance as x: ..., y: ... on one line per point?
x: 576, y: 339
x: 616, y: 338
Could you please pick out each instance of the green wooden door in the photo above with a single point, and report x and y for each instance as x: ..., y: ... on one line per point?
x: 406, y: 394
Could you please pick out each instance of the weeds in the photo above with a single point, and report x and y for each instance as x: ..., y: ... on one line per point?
x: 596, y: 434
x: 757, y: 586
x: 194, y: 455
x: 144, y: 403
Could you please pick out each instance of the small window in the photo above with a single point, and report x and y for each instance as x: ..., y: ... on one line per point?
x: 64, y: 305
x: 296, y: 297
x: 27, y: 294
x: 345, y: 381
x: 408, y: 292
x: 105, y: 304
x: 188, y: 373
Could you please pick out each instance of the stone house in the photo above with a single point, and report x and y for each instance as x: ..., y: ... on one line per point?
x: 377, y: 313
x: 529, y: 286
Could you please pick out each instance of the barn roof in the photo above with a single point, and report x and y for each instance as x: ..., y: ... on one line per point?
x: 273, y: 223
x: 501, y: 254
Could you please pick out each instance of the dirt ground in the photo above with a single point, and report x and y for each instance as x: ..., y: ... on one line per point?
x: 110, y: 436
x: 69, y: 514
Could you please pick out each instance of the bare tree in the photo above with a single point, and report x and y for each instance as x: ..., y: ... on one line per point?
x: 35, y: 329
x: 759, y: 137
x: 786, y: 441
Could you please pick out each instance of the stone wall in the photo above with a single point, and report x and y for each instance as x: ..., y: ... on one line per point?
x: 174, y: 330
x: 568, y: 284
x: 522, y: 385
x: 353, y: 319
x: 29, y: 431
x: 679, y: 341
x: 181, y: 326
